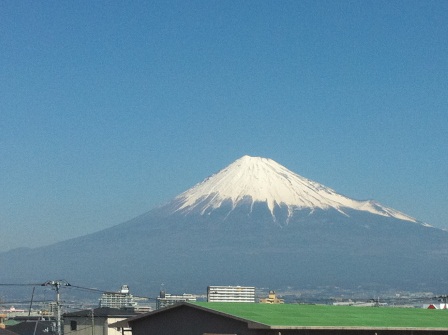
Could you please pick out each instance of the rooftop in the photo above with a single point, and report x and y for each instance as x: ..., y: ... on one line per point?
x: 102, y: 312
x: 322, y: 316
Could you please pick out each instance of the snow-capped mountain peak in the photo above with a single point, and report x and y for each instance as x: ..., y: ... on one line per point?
x: 264, y: 180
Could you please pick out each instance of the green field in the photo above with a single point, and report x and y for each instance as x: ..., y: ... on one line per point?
x: 333, y: 316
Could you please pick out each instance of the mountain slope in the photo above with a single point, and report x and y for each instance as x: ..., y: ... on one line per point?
x: 252, y: 223
x: 257, y: 179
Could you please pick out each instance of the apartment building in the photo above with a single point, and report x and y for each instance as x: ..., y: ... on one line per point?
x: 231, y: 294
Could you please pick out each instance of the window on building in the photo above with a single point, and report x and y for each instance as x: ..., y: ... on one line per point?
x: 73, y: 325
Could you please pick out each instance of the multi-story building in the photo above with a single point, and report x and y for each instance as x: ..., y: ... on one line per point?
x: 166, y: 299
x: 121, y: 299
x: 231, y: 294
x: 272, y: 299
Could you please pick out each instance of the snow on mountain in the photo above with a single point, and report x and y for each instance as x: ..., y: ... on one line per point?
x: 264, y: 180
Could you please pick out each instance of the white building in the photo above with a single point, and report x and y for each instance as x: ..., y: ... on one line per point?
x: 166, y: 299
x: 121, y: 299
x: 231, y: 294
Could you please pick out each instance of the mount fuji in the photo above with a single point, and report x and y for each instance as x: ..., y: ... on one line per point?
x: 253, y: 223
x: 252, y: 180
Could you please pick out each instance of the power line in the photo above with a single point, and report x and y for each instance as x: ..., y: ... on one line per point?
x: 70, y: 286
x: 105, y: 291
x: 23, y: 301
x: 16, y: 284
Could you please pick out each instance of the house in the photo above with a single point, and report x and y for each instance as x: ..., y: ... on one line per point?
x: 203, y: 318
x: 95, y: 321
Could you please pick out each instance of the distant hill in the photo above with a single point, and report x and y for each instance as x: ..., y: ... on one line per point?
x: 253, y: 223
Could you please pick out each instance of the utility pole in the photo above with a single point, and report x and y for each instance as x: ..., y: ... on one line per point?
x: 56, y: 284
x: 93, y: 324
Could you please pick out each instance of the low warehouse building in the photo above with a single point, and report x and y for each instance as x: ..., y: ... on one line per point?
x: 203, y: 318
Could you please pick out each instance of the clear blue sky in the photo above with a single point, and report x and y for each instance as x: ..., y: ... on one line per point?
x: 110, y: 108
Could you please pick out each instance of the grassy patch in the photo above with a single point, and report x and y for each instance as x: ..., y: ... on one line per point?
x: 337, y: 316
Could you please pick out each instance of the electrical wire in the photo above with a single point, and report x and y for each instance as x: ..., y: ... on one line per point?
x: 311, y: 300
x: 23, y: 302
x: 15, y: 284
x: 104, y: 291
